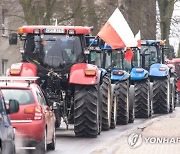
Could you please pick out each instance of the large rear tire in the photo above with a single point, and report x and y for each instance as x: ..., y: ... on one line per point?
x: 172, y: 96
x: 86, y: 111
x: 142, y: 99
x: 131, y: 116
x: 58, y: 119
x: 106, y: 103
x: 114, y: 110
x: 123, y: 102
x: 161, y: 95
x: 175, y: 89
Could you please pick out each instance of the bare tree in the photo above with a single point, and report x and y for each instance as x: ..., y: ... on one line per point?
x: 38, y: 11
x: 166, y: 10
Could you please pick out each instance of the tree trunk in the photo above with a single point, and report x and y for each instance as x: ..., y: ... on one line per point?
x: 166, y: 8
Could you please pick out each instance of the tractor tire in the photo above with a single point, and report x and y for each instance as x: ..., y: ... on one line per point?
x: 142, y: 99
x: 131, y: 116
x: 86, y: 111
x: 122, y: 89
x: 172, y: 96
x: 106, y: 103
x: 58, y: 119
x: 175, y: 88
x: 114, y: 111
x: 176, y: 94
x: 161, y: 95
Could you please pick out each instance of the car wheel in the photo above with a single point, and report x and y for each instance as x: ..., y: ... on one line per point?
x: 52, y: 145
x: 41, y: 148
x: 8, y: 147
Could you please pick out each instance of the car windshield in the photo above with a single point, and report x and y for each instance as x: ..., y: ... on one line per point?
x: 54, y: 50
x: 21, y: 95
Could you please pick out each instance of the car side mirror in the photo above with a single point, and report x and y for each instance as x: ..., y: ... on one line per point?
x: 13, y: 38
x: 13, y: 106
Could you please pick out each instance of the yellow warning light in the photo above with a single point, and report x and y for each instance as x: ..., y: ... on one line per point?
x: 20, y: 30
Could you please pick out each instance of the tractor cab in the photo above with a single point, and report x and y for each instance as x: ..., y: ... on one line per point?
x: 122, y: 59
x: 53, y: 47
x: 152, y: 52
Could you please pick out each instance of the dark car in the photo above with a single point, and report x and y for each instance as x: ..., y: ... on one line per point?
x: 7, y: 145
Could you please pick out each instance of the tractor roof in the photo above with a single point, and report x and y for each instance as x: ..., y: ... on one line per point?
x: 152, y: 42
x: 54, y: 29
x: 174, y: 60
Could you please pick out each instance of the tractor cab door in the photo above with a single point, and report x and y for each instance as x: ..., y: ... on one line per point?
x: 113, y: 59
x: 149, y: 55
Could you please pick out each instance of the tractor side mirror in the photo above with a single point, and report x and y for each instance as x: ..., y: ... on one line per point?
x: 13, y: 38
x: 13, y: 106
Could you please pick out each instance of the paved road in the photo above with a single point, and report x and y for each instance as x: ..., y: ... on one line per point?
x: 67, y: 143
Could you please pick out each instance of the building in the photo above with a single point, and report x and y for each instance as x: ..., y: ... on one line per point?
x: 11, y: 18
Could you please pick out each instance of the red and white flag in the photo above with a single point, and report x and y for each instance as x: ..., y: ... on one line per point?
x: 138, y: 39
x: 117, y: 33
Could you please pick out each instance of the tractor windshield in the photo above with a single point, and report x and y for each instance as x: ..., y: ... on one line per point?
x: 151, y: 55
x: 1, y: 105
x: 95, y: 58
x: 54, y: 51
x: 136, y: 61
x: 177, y: 68
x: 117, y: 59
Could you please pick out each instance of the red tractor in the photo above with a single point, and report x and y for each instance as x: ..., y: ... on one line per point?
x: 175, y: 65
x: 79, y: 92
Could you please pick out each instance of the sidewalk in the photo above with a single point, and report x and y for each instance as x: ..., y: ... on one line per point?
x: 159, y: 137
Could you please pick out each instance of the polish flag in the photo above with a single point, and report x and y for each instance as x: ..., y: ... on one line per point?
x: 117, y: 33
x: 138, y: 39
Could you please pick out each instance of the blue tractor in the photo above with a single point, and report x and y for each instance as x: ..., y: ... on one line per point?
x: 113, y: 62
x: 161, y: 76
x: 131, y: 82
x: 108, y: 113
x: 139, y: 77
x: 123, y: 107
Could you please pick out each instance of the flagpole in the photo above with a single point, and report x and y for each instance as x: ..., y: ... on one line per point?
x: 93, y: 41
x: 117, y: 3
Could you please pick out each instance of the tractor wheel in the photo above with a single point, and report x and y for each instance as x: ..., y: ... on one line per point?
x: 58, y: 119
x: 161, y: 95
x: 142, y: 99
x: 106, y: 103
x: 175, y: 90
x: 131, y: 116
x: 114, y: 111
x: 86, y: 111
x: 176, y: 94
x: 172, y: 96
x: 122, y: 89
